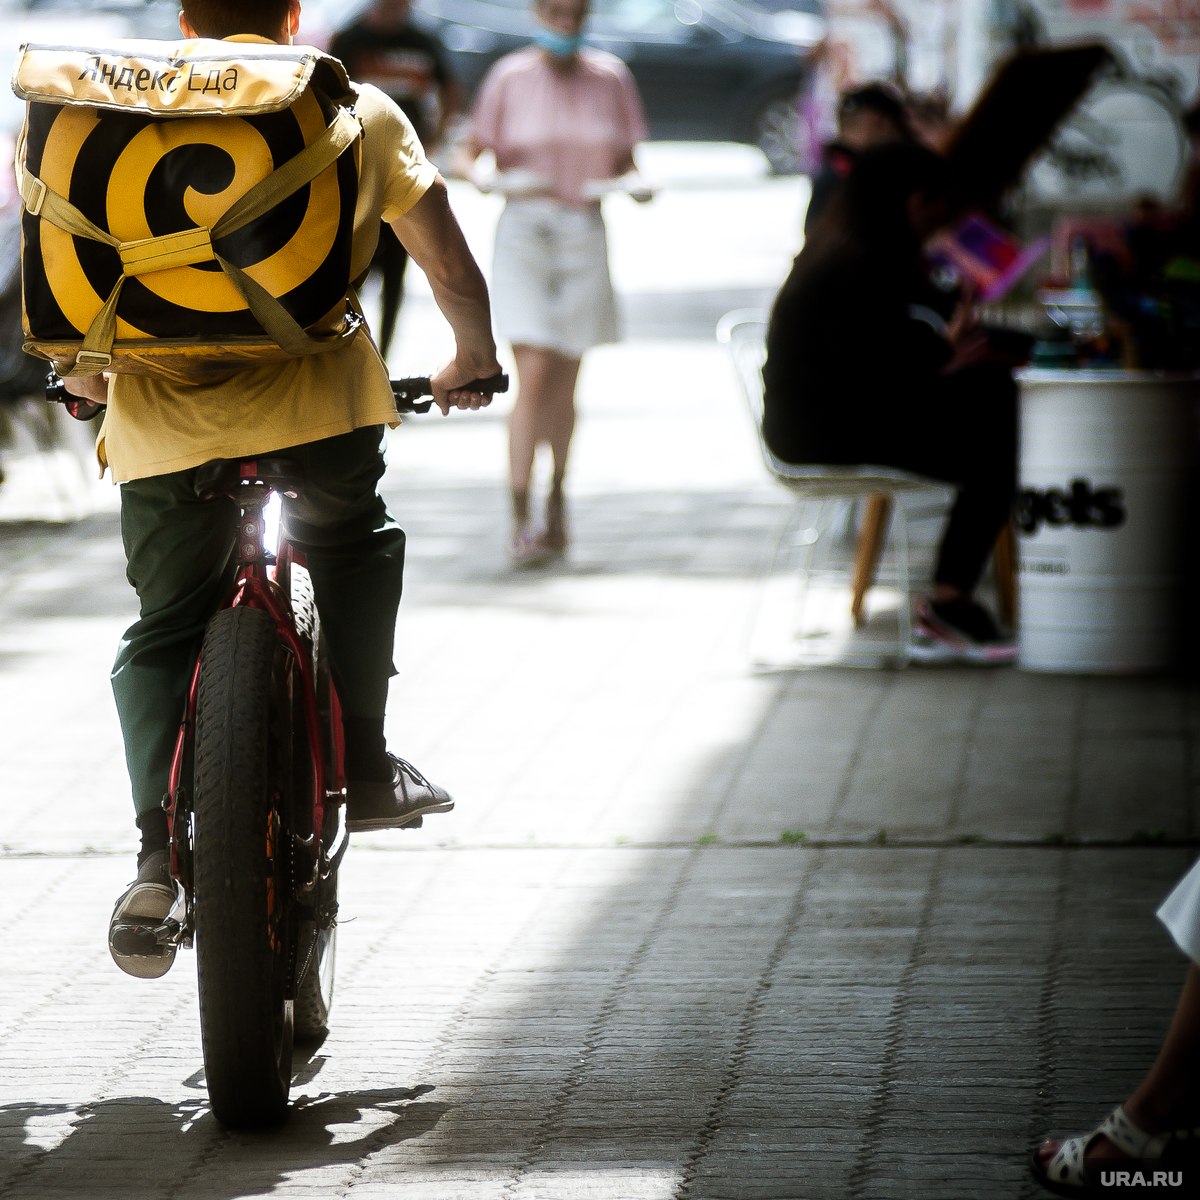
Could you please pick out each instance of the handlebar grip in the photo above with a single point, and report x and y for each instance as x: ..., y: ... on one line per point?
x: 409, y: 391
x: 489, y: 386
x: 76, y: 406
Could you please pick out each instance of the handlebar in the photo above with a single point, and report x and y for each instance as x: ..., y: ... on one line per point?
x: 409, y: 391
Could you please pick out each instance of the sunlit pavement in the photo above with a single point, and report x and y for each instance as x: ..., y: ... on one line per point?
x: 692, y: 930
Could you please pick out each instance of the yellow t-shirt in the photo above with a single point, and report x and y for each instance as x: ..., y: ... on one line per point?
x: 153, y: 427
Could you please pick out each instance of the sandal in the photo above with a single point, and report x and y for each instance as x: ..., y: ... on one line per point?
x: 527, y: 548
x: 1066, y: 1175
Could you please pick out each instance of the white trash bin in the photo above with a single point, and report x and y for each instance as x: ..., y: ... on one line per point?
x: 1104, y: 463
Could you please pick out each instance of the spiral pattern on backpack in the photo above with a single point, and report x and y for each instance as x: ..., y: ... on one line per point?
x: 138, y: 177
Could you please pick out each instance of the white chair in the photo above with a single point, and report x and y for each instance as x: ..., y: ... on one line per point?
x: 823, y: 494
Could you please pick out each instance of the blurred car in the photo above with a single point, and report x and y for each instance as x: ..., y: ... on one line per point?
x: 713, y: 71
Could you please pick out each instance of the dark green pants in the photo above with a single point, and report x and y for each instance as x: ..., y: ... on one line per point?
x: 180, y: 552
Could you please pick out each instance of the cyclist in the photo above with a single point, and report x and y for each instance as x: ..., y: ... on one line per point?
x: 326, y: 411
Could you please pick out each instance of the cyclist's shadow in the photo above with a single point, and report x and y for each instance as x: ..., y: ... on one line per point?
x: 139, y: 1146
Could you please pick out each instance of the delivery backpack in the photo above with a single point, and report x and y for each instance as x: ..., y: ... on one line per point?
x: 189, y: 205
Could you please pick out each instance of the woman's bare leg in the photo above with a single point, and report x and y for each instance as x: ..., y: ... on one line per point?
x: 534, y: 370
x: 561, y: 428
x: 544, y: 412
x: 1172, y: 1088
x: 560, y: 411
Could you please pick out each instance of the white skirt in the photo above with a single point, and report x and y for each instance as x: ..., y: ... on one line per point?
x: 1180, y: 913
x: 550, y: 281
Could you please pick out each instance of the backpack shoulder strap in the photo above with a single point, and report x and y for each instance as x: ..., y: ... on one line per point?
x: 194, y: 246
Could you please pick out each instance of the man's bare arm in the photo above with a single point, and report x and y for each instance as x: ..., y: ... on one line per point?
x: 432, y: 236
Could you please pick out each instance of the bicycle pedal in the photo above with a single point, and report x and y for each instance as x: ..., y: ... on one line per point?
x: 136, y: 940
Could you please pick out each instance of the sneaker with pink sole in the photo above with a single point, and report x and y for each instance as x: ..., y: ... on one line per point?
x: 959, y: 631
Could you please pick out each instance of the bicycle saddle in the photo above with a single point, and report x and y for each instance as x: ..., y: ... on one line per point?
x: 223, y: 475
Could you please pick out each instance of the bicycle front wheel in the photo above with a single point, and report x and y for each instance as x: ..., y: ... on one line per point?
x: 245, y: 888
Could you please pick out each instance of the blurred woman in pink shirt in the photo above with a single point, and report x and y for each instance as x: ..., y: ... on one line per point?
x: 562, y: 121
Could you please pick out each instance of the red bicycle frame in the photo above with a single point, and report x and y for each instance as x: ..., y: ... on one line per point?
x: 263, y: 582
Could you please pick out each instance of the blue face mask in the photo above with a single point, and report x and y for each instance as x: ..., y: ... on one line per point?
x: 558, y: 44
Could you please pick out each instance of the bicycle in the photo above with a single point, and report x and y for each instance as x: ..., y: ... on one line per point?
x: 257, y: 839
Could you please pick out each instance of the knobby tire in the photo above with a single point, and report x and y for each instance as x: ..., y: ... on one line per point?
x: 245, y: 918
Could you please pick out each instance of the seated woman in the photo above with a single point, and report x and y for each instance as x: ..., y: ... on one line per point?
x: 863, y: 368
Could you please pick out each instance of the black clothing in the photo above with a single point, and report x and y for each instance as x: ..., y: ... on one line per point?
x: 409, y: 65
x: 836, y: 162
x: 21, y: 374
x: 844, y: 349
x: 853, y: 376
x: 967, y: 618
x: 156, y: 834
x: 390, y: 260
x: 366, y: 756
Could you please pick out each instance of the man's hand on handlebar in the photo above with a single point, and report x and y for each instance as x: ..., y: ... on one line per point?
x: 88, y: 387
x: 448, y: 391
x: 84, y: 397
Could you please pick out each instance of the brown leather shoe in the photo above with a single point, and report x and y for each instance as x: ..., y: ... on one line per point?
x: 403, y: 802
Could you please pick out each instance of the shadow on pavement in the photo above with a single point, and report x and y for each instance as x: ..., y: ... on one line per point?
x: 139, y: 1147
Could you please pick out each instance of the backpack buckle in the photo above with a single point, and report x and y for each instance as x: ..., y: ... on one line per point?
x: 37, y: 195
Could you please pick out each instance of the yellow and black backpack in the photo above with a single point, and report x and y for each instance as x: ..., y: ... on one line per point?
x: 189, y: 205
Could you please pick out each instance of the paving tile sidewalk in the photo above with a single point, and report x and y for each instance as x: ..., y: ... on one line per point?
x: 609, y: 973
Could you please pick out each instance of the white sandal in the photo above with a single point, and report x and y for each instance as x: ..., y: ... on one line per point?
x: 527, y: 549
x: 1065, y: 1172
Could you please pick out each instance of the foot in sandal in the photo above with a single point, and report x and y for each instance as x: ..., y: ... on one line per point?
x: 1083, y: 1165
x: 527, y: 549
